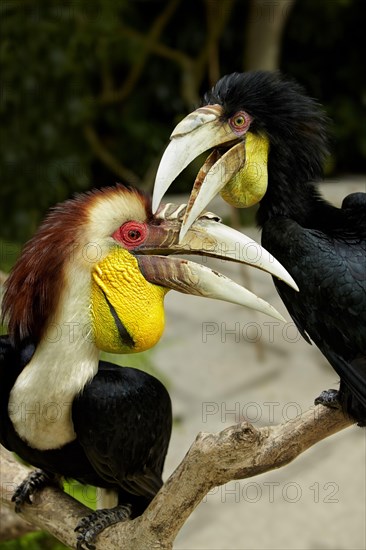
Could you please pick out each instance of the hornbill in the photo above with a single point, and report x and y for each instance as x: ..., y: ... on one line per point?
x: 269, y: 144
x: 94, y: 278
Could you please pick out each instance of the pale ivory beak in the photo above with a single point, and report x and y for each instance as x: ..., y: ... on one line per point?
x: 199, y: 131
x: 207, y: 237
x: 196, y: 133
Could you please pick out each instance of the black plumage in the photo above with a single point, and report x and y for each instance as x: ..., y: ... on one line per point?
x: 129, y: 417
x: 122, y: 421
x: 61, y: 409
x: 322, y: 247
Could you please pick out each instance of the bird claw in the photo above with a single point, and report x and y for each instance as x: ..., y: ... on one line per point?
x: 36, y: 480
x: 90, y: 526
x: 329, y: 398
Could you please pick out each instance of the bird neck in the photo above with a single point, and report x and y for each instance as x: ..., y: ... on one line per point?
x: 40, y: 402
x: 292, y: 196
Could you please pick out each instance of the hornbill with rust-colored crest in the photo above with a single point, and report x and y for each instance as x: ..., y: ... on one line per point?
x: 94, y: 278
x: 269, y: 143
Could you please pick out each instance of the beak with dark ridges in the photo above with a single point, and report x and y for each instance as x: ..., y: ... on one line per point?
x: 196, y: 133
x: 229, y: 168
x: 207, y: 237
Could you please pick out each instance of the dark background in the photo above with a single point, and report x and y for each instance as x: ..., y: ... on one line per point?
x: 90, y: 91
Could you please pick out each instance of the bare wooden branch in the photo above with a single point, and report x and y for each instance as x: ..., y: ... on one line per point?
x: 219, y: 13
x: 158, y: 48
x: 103, y: 154
x: 52, y: 510
x: 267, y: 19
x: 189, y: 90
x: 111, y: 95
x: 238, y: 452
x: 136, y: 70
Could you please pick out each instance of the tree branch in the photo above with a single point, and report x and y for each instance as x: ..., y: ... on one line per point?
x: 218, y: 16
x: 189, y: 92
x: 267, y: 19
x: 132, y: 78
x: 159, y: 48
x: 103, y: 154
x: 238, y: 452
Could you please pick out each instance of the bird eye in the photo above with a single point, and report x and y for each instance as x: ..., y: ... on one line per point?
x: 131, y: 234
x: 134, y: 234
x: 240, y: 122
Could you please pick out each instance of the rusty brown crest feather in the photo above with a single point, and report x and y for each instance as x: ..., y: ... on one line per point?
x: 38, y: 277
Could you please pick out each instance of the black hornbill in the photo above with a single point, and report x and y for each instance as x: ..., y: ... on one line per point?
x: 93, y: 278
x: 269, y: 143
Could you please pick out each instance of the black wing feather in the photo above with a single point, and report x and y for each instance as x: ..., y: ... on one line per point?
x: 330, y: 308
x: 123, y: 421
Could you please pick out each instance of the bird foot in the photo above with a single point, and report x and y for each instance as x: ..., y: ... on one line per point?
x: 90, y: 526
x: 35, y: 481
x: 329, y: 398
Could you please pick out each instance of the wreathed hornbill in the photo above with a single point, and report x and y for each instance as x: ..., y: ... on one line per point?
x: 269, y: 143
x: 94, y: 278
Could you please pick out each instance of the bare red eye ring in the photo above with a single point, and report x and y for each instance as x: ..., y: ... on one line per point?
x: 131, y: 234
x: 240, y: 122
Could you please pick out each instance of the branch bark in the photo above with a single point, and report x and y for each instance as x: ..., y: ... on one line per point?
x: 238, y: 452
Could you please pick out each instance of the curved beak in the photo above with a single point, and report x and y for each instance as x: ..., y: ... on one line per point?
x: 196, y: 133
x: 206, y: 237
x: 201, y: 130
x: 237, y: 167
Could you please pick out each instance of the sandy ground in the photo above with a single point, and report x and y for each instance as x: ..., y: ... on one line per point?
x: 225, y: 363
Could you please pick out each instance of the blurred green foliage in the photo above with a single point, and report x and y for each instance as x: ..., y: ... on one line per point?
x: 9, y: 251
x: 91, y: 90
x: 33, y: 541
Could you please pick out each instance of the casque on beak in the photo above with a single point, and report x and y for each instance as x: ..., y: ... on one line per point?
x: 207, y: 237
x: 235, y: 159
